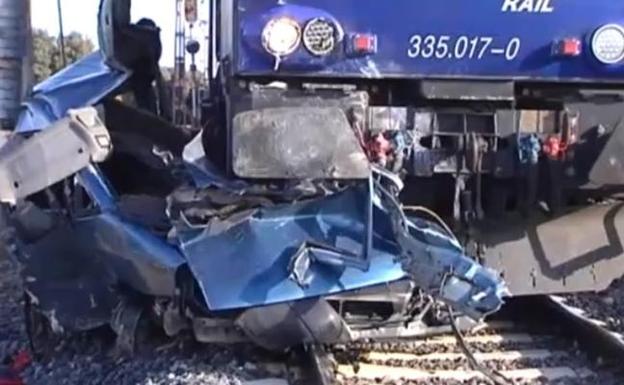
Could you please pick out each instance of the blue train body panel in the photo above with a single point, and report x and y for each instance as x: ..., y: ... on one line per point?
x: 500, y: 39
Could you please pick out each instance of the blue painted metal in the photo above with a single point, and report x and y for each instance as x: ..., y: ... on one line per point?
x: 98, y: 188
x: 80, y: 266
x: 87, y: 82
x: 134, y: 255
x: 255, y: 258
x: 396, y: 22
x: 251, y: 35
x: 467, y: 286
x: 82, y: 84
x: 140, y: 259
x: 250, y: 258
x: 244, y: 262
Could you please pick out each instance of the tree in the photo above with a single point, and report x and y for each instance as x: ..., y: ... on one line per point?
x: 76, y: 46
x: 47, y: 53
x: 44, y: 53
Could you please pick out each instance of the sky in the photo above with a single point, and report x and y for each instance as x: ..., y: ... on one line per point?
x: 81, y: 16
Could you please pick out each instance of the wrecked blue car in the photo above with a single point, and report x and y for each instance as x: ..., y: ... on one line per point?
x: 113, y: 222
x: 289, y: 235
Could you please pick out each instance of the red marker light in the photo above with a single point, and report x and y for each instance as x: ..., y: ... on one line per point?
x: 568, y: 47
x: 552, y: 147
x: 364, y: 43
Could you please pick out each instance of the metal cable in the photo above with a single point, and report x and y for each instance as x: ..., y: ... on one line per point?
x: 435, y: 216
x: 493, y: 375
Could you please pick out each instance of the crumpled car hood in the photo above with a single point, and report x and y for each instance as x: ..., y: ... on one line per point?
x: 243, y: 261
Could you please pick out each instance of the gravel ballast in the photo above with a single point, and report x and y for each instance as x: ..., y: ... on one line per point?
x: 90, y: 358
x: 607, y: 306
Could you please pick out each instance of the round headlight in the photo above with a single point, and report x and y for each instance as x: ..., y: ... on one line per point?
x: 608, y: 44
x: 319, y: 36
x: 281, y: 36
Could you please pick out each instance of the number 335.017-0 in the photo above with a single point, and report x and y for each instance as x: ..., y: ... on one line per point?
x: 462, y: 47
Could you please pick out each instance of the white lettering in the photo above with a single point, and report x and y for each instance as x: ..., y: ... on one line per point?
x: 546, y: 7
x: 529, y: 6
x: 446, y: 48
x: 526, y: 6
x: 510, y: 6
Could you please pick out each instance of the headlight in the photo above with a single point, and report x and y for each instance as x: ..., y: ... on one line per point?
x: 281, y: 36
x: 608, y: 44
x: 319, y: 37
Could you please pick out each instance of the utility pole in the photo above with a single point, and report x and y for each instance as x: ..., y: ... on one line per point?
x: 15, y: 59
x: 61, y: 33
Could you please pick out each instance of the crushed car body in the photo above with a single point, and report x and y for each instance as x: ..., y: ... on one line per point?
x: 229, y: 258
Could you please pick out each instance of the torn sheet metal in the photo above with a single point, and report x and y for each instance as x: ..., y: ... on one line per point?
x: 75, y: 270
x: 242, y: 261
x: 435, y: 260
x: 432, y: 259
x: 251, y: 258
x: 81, y: 84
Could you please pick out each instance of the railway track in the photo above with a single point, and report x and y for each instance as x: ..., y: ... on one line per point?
x: 535, y: 341
x: 547, y: 342
x: 522, y: 357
